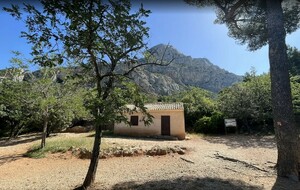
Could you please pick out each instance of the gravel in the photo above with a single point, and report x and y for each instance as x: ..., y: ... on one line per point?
x: 199, y: 168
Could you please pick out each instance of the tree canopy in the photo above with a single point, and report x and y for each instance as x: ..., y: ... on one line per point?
x: 246, y: 20
x: 104, y: 37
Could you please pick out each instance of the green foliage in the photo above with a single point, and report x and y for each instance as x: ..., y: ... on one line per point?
x: 294, y: 60
x: 246, y: 20
x: 59, y: 103
x: 248, y: 100
x: 25, y: 103
x: 16, y: 100
x: 217, y: 122
x: 295, y: 85
x: 197, y: 104
x: 258, y: 23
x: 35, y: 152
x: 105, y: 38
x: 203, y: 125
x: 16, y: 104
x: 210, y: 125
x: 60, y: 144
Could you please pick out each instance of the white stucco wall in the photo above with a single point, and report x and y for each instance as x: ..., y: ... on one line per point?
x: 177, y: 127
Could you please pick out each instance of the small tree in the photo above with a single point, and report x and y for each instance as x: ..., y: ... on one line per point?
x: 15, y: 97
x: 105, y: 37
x: 15, y: 106
x: 249, y: 100
x: 55, y: 104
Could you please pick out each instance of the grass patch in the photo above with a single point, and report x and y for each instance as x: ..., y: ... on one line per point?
x: 60, y: 144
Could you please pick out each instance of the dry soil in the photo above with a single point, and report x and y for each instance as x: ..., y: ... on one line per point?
x: 211, y: 162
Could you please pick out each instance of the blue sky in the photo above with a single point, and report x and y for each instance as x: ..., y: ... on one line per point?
x: 189, y: 29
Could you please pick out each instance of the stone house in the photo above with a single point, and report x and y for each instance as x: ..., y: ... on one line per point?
x: 168, y: 121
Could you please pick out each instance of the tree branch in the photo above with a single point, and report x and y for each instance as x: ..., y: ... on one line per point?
x: 230, y: 14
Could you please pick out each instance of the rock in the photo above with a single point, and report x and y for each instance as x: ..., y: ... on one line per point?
x: 137, y: 151
x: 199, y: 72
x: 118, y: 153
x: 84, y: 153
x: 151, y: 152
x: 103, y: 156
x: 127, y: 152
x: 157, y: 151
x: 162, y: 151
x: 173, y: 150
x: 107, y: 153
x: 180, y: 151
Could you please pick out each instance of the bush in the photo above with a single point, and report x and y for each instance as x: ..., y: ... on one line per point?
x: 217, y: 123
x: 203, y: 125
x: 210, y: 125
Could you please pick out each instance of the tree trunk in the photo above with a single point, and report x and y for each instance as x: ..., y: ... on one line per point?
x: 48, y: 131
x: 19, y: 129
x: 11, y: 134
x: 91, y: 174
x: 284, y: 121
x: 44, y: 133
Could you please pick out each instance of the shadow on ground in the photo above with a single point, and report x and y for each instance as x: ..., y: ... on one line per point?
x: 150, y: 138
x: 284, y: 183
x: 21, y: 139
x: 185, y: 183
x: 10, y: 158
x: 243, y: 141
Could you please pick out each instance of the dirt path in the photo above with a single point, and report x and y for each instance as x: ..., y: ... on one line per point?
x: 216, y: 163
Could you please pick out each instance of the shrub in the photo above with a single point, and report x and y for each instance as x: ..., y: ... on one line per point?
x: 202, y: 125
x: 210, y: 125
x: 217, y: 123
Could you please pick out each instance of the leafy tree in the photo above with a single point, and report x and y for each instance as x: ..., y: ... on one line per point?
x: 294, y: 60
x: 235, y: 102
x: 211, y: 125
x: 104, y: 37
x: 45, y: 90
x: 258, y: 23
x: 249, y: 100
x: 197, y: 103
x: 55, y: 104
x: 295, y: 84
x: 16, y: 104
x: 38, y: 99
x: 15, y: 98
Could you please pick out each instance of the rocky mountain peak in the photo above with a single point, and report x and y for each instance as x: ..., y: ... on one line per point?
x: 184, y: 71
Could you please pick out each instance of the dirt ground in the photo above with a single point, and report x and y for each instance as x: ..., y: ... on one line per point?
x: 211, y: 162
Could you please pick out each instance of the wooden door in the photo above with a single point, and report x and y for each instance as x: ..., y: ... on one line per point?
x: 165, y: 125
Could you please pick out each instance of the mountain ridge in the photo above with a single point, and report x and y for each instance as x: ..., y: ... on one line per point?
x: 183, y: 71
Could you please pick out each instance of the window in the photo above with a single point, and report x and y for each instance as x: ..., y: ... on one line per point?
x: 134, y: 120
